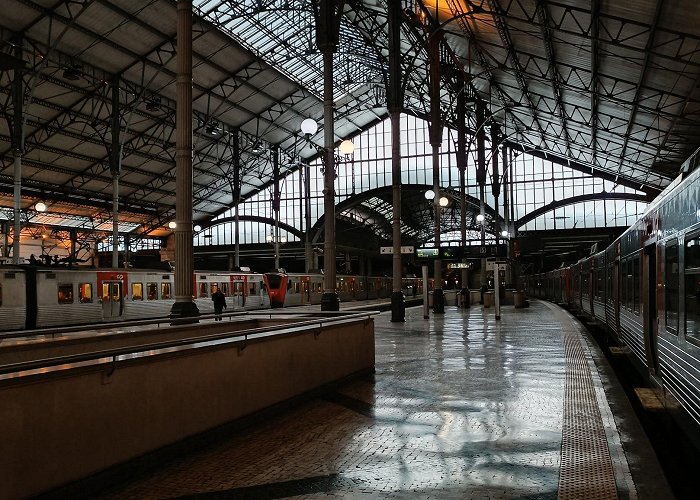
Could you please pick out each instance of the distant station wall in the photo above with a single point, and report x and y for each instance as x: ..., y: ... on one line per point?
x: 64, y: 425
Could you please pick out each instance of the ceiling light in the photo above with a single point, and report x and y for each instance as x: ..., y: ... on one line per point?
x: 212, y: 129
x: 72, y: 72
x: 153, y: 104
x: 480, y: 218
x: 197, y: 228
x: 504, y: 233
x: 172, y: 224
x: 430, y: 195
x: 40, y: 207
x: 309, y: 127
x: 444, y: 201
x: 346, y: 147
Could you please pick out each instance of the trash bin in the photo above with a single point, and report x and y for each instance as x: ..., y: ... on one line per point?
x: 519, y: 299
x: 489, y: 299
x: 465, y: 298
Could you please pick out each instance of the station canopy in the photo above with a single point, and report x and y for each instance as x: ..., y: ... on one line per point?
x: 606, y: 87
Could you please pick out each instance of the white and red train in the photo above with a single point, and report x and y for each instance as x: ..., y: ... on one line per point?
x: 644, y: 289
x: 35, y: 297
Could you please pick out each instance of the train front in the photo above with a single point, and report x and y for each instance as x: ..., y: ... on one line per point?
x: 276, y: 284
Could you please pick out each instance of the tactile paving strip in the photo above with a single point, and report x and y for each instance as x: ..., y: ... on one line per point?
x: 586, y: 468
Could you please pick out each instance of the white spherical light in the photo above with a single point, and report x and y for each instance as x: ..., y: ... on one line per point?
x: 429, y: 195
x: 197, y: 228
x: 346, y: 147
x: 40, y: 207
x: 309, y: 127
x: 444, y: 201
x: 172, y: 224
x: 480, y: 218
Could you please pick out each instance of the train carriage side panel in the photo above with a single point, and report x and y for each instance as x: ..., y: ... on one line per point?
x: 678, y: 339
x: 67, y: 297
x: 598, y: 287
x: 17, y: 302
x: 150, y: 294
x: 612, y: 284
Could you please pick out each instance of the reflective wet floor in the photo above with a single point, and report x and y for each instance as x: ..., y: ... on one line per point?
x: 461, y: 406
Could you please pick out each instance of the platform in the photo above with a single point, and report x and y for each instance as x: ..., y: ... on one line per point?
x: 461, y: 406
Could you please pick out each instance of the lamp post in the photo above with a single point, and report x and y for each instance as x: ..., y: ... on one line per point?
x: 329, y: 300
x: 276, y: 240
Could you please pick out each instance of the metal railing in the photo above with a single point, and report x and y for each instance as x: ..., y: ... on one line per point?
x: 113, y: 356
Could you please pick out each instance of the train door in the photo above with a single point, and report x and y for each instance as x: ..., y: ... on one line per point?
x: 305, y: 289
x: 616, y: 295
x: 238, y: 291
x: 112, y: 299
x: 649, y: 307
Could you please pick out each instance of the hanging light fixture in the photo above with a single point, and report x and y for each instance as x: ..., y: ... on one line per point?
x: 40, y: 206
x: 430, y: 195
x: 480, y: 218
x: 172, y: 224
x: 309, y: 127
x: 197, y: 228
x: 444, y: 201
x: 72, y: 72
x: 346, y: 147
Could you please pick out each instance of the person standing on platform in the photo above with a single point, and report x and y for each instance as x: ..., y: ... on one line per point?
x: 219, y: 300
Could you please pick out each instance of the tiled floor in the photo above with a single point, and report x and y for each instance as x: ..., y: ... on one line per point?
x: 461, y: 406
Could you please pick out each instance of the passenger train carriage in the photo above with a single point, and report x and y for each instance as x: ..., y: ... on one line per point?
x: 36, y: 297
x: 644, y: 289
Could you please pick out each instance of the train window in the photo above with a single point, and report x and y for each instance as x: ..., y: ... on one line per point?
x: 671, y: 288
x: 635, y: 282
x: 202, y: 290
x: 623, y: 283
x: 224, y: 288
x: 152, y: 289
x: 85, y: 293
x: 137, y: 291
x: 165, y: 291
x: 692, y: 289
x: 629, y: 282
x: 65, y: 293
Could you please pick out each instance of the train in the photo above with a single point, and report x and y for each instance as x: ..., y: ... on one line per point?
x: 644, y: 291
x: 36, y: 297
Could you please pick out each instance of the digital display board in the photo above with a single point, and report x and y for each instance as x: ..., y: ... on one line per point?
x: 467, y: 252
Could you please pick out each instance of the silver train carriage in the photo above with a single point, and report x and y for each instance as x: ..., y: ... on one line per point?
x: 36, y: 297
x: 644, y: 289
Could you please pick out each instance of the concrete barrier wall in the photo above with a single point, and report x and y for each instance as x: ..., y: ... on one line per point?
x: 65, y: 426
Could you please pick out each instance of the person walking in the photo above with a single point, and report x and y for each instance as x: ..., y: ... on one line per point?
x: 219, y: 300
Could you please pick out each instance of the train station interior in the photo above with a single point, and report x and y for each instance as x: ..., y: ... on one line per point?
x: 414, y: 184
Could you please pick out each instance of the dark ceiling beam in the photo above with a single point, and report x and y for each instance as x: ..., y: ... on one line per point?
x: 595, y: 66
x: 624, y: 36
x: 254, y: 218
x: 139, y: 58
x: 571, y: 66
x: 642, y: 78
x: 504, y: 33
x: 651, y: 190
x: 475, y: 47
x: 82, y: 198
x: 579, y: 199
x: 554, y: 76
x: 676, y: 118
